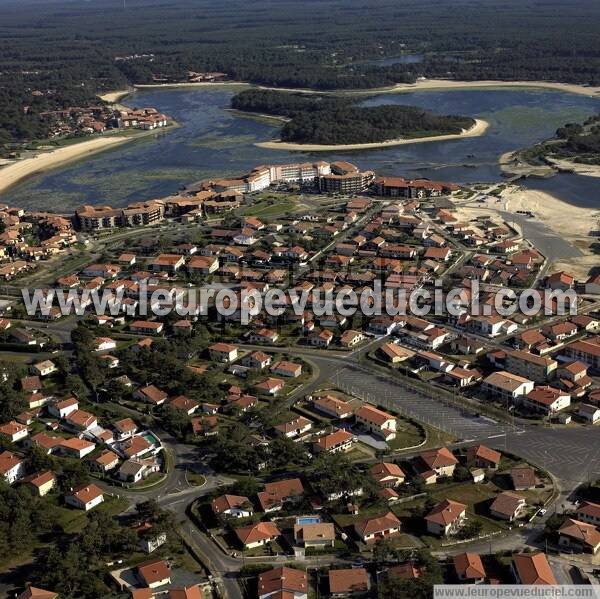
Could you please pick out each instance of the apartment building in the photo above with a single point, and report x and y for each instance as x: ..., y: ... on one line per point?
x: 531, y: 366
x: 345, y: 178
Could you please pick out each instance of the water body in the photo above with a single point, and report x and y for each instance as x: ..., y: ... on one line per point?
x: 402, y: 59
x: 214, y: 142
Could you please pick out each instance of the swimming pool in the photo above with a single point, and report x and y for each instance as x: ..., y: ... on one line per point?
x: 308, y: 520
x: 151, y: 438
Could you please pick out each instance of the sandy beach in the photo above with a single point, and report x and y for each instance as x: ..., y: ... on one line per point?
x: 421, y: 85
x: 512, y: 165
x: 479, y: 128
x: 114, y: 97
x: 550, y: 211
x: 447, y: 84
x: 587, y: 170
x: 207, y: 84
x: 20, y: 169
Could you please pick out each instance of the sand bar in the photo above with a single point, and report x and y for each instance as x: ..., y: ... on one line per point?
x: 479, y: 128
x: 114, y: 97
x: 421, y: 85
x: 586, y: 170
x: 20, y: 169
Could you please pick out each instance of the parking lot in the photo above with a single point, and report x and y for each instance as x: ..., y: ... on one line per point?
x: 433, y: 411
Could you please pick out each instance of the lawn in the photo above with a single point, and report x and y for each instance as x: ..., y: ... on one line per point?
x: 408, y: 434
x: 196, y: 480
x: 72, y: 520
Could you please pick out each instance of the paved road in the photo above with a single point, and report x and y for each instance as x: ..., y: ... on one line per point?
x: 572, y: 455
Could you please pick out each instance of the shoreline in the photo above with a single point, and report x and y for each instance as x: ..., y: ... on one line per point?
x: 116, y: 96
x: 512, y: 166
x: 479, y: 128
x: 20, y: 170
x: 566, y: 166
x: 549, y: 210
x: 422, y: 85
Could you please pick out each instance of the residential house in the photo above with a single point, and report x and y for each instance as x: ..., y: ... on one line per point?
x: 63, y: 408
x: 108, y: 460
x: 532, y: 569
x: 523, y: 478
x: 445, y: 518
x: 468, y: 568
x: 546, y: 400
x: 85, y: 498
x: 316, y: 534
x: 507, y: 506
x: 223, y: 352
x: 349, y: 582
x: 13, y: 431
x: 507, y: 385
x: 257, y: 360
x: 287, y: 369
x: 351, y: 338
x: 387, y: 474
x: 339, y: 441
x: 582, y: 537
x: 283, y: 582
x: 135, y: 470
x: 81, y: 420
x: 12, y: 467
x: 372, y: 529
x: 481, y: 456
x: 76, y: 448
x: 153, y: 574
x: 294, y: 428
x: 125, y: 428
x: 37, y: 593
x: 376, y: 421
x: 146, y: 327
x: 44, y: 368
x: 270, y: 386
x: 257, y: 535
x: 151, y: 394
x: 235, y: 506
x: 435, y: 463
x: 589, y: 512
x: 280, y: 492
x: 394, y: 353
x: 41, y: 482
x: 333, y: 407
x: 589, y: 412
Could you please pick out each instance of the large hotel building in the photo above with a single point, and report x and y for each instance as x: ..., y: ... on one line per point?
x: 92, y: 218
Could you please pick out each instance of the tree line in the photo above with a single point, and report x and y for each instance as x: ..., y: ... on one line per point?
x: 338, y: 120
x: 56, y: 54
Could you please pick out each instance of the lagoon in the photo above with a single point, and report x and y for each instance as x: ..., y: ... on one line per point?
x: 212, y: 141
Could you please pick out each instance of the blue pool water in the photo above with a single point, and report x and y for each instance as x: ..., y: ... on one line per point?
x: 308, y: 520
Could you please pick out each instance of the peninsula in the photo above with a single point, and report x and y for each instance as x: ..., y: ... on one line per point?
x: 574, y: 148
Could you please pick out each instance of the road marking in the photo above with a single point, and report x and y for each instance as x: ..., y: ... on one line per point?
x: 496, y: 436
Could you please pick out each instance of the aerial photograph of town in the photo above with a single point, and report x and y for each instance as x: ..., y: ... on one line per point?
x: 299, y: 299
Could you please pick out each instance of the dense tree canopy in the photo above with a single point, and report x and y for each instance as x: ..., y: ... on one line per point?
x: 338, y: 120
x: 61, y: 53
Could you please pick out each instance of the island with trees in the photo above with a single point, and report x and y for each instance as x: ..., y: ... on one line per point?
x: 334, y: 120
x: 55, y: 59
